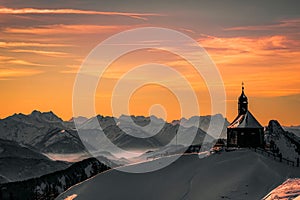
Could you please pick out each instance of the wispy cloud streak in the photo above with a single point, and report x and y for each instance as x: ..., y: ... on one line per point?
x: 4, y: 44
x: 282, y: 24
x: 6, y: 60
x: 6, y: 74
x: 24, y: 62
x: 23, y: 11
x: 46, y: 53
x: 66, y: 29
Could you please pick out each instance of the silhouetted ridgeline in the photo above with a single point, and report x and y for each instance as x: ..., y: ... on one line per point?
x: 51, y: 185
x: 292, y: 139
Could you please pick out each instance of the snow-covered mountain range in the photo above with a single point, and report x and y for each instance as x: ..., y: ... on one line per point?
x: 43, y: 131
x: 26, y: 139
x: 27, y: 142
x: 240, y: 174
x: 139, y: 132
x: 48, y: 133
x: 203, y: 122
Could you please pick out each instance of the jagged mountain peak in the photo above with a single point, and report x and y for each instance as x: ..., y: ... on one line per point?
x: 141, y: 120
x: 216, y: 122
x: 46, y: 115
x: 42, y: 130
x: 79, y: 119
x: 35, y: 115
x: 275, y: 127
x: 274, y: 122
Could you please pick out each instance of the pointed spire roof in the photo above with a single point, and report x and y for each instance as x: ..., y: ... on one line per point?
x: 242, y: 102
x: 243, y: 96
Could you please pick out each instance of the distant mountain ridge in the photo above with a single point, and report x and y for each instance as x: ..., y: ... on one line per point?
x: 139, y: 132
x: 21, y: 162
x: 215, y: 121
x: 48, y: 133
x: 25, y: 138
x: 45, y: 132
x: 293, y: 129
x: 288, y: 143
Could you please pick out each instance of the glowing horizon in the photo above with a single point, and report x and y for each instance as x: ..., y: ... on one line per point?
x: 43, y: 46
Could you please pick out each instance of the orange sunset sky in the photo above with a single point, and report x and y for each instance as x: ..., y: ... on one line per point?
x: 43, y: 43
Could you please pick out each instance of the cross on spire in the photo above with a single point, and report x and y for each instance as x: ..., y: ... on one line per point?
x: 243, y: 86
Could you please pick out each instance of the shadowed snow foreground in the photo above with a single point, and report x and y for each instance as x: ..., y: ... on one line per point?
x: 241, y: 174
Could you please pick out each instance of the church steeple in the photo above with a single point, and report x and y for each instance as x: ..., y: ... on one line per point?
x: 245, y: 130
x: 243, y: 102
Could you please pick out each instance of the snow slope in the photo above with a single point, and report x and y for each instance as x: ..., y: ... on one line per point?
x: 3, y: 179
x: 241, y: 174
x: 290, y: 189
x: 282, y: 139
x: 293, y: 129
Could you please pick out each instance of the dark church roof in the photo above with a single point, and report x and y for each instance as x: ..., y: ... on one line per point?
x: 245, y: 121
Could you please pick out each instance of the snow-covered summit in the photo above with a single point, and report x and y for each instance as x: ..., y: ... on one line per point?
x: 286, y: 143
x: 45, y: 116
x: 41, y: 130
x: 241, y: 174
x: 216, y: 121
